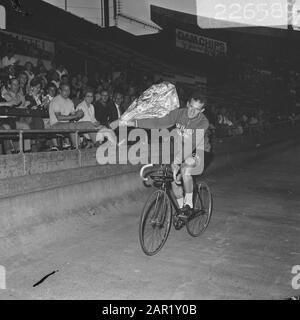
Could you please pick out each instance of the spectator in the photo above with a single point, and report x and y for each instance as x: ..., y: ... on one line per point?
x: 61, y: 70
x: 28, y: 69
x: 9, y: 59
x: 89, y: 112
x: 115, y: 109
x: 13, y: 98
x: 55, y: 80
x: 33, y: 102
x: 51, y: 71
x: 97, y: 96
x: 74, y: 84
x: 23, y: 79
x: 76, y: 97
x: 46, y: 100
x: 64, y: 79
x: 102, y: 107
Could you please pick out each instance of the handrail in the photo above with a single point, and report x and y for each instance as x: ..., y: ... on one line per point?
x: 22, y: 132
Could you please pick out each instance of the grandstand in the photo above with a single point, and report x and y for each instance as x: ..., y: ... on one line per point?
x: 230, y: 75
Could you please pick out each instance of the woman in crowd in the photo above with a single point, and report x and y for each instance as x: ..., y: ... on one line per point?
x: 28, y: 69
x: 34, y: 102
x: 89, y: 113
x: 12, y: 97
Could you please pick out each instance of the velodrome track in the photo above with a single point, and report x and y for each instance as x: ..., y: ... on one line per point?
x: 247, y: 252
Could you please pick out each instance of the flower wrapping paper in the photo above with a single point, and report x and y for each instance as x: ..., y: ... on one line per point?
x: 155, y: 102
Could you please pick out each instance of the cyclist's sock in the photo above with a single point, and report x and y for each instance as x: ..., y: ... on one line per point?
x: 189, y: 199
x: 180, y: 202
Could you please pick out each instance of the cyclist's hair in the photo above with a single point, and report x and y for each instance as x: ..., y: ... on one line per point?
x: 198, y: 96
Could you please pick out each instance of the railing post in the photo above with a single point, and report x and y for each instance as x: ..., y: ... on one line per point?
x: 21, y: 141
x: 76, y: 140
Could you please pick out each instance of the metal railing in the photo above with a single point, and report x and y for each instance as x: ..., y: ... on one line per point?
x: 21, y: 134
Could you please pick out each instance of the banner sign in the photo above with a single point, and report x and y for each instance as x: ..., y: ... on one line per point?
x: 201, y: 44
x: 44, y: 45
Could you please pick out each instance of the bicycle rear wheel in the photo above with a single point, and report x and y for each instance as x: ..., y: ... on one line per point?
x: 199, y: 220
x: 155, y: 222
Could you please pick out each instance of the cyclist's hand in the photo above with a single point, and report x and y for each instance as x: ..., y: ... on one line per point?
x: 114, y: 124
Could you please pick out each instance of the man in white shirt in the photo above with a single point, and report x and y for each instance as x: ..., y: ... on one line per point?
x: 62, y: 112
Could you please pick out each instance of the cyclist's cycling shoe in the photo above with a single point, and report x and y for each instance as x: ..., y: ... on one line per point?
x: 178, y: 224
x: 186, y: 212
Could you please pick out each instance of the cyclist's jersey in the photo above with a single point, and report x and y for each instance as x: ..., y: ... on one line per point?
x: 184, y: 125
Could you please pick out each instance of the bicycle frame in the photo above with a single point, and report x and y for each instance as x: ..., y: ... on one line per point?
x: 165, y: 187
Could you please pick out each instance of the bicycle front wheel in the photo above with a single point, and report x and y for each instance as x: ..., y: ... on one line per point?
x: 199, y: 220
x: 155, y: 222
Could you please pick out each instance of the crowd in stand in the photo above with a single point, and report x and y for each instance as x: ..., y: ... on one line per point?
x: 77, y: 101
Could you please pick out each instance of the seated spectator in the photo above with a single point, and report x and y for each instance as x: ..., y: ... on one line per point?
x: 33, y: 102
x: 89, y: 112
x: 79, y: 81
x: 51, y: 71
x: 9, y: 59
x: 115, y: 109
x: 61, y: 71
x: 51, y: 93
x: 55, y: 79
x: 23, y: 80
x: 40, y: 67
x: 97, y: 96
x: 11, y: 72
x: 102, y: 107
x: 126, y: 103
x: 28, y: 69
x: 223, y: 126
x: 74, y: 84
x: 13, y: 98
x: 85, y: 81
x: 64, y: 79
x: 76, y: 96
x: 63, y: 115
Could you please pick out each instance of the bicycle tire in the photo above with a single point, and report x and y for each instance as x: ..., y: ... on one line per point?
x: 203, y: 203
x: 160, y: 217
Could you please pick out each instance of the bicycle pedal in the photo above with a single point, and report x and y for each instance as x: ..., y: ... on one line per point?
x: 183, y: 217
x: 179, y: 224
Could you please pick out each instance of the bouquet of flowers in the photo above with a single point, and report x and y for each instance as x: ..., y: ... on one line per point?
x: 155, y: 102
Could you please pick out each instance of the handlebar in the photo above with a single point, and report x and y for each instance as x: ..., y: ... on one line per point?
x: 143, y: 169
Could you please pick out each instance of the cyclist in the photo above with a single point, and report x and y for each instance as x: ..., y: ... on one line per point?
x: 185, y: 119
